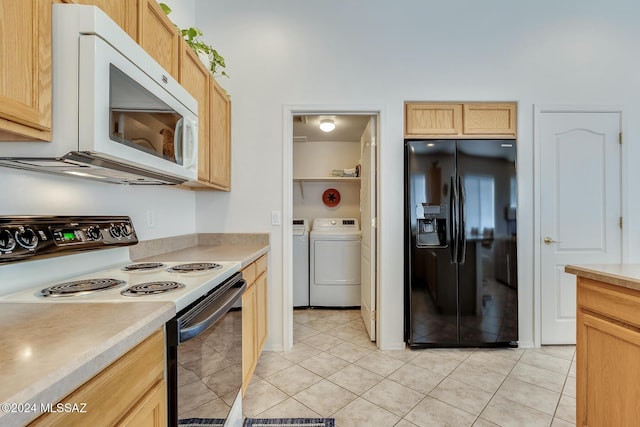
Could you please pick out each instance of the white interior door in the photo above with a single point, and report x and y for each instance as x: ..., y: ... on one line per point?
x: 368, y: 215
x: 580, y: 208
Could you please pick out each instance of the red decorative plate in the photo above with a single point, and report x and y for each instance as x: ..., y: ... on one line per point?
x: 331, y: 197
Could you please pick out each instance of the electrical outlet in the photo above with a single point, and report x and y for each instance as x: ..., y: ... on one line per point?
x: 150, y: 218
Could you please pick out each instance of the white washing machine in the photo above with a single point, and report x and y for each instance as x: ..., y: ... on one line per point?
x: 300, y: 263
x: 334, y: 263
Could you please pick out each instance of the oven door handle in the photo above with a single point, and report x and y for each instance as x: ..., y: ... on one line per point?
x: 211, y: 314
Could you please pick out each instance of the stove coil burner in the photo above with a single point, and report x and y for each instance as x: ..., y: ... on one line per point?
x: 80, y: 287
x: 151, y: 288
x: 194, y: 266
x: 143, y: 266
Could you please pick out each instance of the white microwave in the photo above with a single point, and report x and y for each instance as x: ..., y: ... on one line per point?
x: 118, y: 116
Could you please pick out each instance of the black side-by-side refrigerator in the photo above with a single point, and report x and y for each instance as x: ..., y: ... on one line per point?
x: 461, y: 279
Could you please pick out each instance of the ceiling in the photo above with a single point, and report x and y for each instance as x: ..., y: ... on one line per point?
x: 349, y: 127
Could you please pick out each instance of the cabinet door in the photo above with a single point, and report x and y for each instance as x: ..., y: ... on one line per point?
x: 150, y: 411
x: 122, y: 12
x: 608, y: 372
x: 115, y: 391
x: 261, y: 313
x: 220, y: 139
x: 489, y: 119
x: 248, y: 336
x: 430, y: 120
x: 25, y: 70
x: 158, y: 36
x: 195, y: 79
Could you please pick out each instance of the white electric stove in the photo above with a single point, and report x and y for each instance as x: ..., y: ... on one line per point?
x: 83, y: 259
x: 180, y: 283
x: 86, y: 259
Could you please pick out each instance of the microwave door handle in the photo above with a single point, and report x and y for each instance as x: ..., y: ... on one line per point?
x: 190, y: 138
x: 177, y: 141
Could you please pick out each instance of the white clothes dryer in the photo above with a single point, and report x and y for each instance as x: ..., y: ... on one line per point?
x: 300, y: 263
x: 334, y: 263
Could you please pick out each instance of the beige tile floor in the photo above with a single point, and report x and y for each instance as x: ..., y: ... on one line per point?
x: 335, y: 371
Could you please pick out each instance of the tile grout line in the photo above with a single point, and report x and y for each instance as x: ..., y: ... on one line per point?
x: 343, y: 322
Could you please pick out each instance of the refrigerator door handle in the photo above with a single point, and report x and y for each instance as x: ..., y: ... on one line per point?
x: 453, y: 220
x: 462, y: 212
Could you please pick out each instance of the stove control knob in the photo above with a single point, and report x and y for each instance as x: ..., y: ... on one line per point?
x: 115, y: 231
x: 93, y: 233
x: 7, y: 242
x: 27, y: 238
x: 127, y: 230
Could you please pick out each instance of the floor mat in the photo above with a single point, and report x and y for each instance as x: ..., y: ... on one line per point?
x: 289, y: 422
x: 201, y: 422
x: 260, y: 422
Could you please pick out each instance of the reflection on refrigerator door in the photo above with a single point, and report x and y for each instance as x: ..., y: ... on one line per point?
x: 460, y: 234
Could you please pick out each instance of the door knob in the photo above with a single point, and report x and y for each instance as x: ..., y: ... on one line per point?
x: 548, y: 240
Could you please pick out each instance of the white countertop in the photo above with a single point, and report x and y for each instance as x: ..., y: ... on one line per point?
x: 48, y: 350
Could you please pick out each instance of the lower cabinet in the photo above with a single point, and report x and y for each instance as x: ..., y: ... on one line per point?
x: 254, y: 317
x: 608, y: 351
x: 129, y: 392
x: 151, y: 410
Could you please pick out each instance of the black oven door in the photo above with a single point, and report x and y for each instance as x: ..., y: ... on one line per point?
x: 204, y: 355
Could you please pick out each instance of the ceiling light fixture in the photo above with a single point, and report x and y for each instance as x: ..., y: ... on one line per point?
x: 327, y: 125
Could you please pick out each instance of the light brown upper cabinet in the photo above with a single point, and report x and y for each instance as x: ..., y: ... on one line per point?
x: 489, y: 119
x: 214, y: 152
x: 220, y: 139
x: 158, y: 36
x: 146, y: 23
x: 432, y: 119
x: 25, y: 70
x: 194, y: 77
x: 464, y: 120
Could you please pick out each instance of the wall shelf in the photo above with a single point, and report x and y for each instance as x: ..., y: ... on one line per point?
x: 302, y: 180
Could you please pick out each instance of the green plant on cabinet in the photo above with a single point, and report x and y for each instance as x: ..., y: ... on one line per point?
x: 192, y: 36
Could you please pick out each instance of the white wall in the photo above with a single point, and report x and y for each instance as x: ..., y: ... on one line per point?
x: 311, y: 206
x: 285, y: 52
x: 318, y: 159
x: 183, y: 12
x: 32, y: 193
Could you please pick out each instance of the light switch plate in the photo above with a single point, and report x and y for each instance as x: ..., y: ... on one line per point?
x: 276, y: 218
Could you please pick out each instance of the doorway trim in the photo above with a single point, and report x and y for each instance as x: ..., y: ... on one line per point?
x: 537, y: 182
x: 289, y: 110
